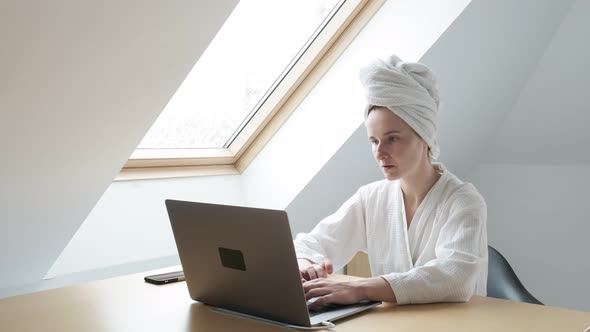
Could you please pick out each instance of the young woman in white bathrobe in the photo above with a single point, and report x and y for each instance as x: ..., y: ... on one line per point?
x: 424, y: 229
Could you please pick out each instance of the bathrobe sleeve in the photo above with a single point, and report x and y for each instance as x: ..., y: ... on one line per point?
x: 461, y: 254
x: 338, y: 237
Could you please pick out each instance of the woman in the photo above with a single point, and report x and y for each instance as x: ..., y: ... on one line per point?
x: 424, y: 229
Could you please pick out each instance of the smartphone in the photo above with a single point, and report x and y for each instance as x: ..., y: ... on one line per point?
x: 165, y: 278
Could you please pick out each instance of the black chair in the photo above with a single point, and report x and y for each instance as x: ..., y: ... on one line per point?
x: 503, y: 282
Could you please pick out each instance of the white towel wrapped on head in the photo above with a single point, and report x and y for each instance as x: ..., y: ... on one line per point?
x: 409, y: 90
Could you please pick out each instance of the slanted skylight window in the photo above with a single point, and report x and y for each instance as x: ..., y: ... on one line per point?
x: 237, y: 91
x: 248, y: 57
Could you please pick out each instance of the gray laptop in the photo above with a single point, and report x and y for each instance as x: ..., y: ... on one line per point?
x: 242, y: 260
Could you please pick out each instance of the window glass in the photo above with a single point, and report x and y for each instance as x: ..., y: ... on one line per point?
x: 256, y: 46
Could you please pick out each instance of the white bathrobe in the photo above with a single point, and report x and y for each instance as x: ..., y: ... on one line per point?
x: 442, y: 257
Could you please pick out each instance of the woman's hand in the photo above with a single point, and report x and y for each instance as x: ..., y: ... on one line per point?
x: 331, y: 291
x: 310, y: 271
x: 347, y: 292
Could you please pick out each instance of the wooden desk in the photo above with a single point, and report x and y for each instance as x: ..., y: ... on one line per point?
x: 128, y: 304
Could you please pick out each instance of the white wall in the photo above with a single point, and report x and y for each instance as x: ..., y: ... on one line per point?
x: 549, y: 122
x: 482, y: 62
x: 535, y: 174
x: 130, y: 224
x: 538, y: 219
x: 350, y: 168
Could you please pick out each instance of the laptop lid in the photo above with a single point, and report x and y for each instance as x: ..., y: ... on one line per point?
x: 240, y: 259
x: 243, y: 260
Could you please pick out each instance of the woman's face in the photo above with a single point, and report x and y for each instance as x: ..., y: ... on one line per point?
x: 397, y: 148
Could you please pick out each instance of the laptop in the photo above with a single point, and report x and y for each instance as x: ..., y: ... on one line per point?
x: 242, y: 260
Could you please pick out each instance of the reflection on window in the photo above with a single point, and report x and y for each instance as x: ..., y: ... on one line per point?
x: 255, y: 47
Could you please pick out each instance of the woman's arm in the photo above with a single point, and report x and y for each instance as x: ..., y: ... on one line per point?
x: 450, y: 277
x: 337, y: 238
x: 348, y: 292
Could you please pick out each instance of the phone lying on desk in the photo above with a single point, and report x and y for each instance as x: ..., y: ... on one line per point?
x: 165, y: 278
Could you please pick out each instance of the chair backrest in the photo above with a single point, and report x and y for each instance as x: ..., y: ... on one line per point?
x: 503, y: 282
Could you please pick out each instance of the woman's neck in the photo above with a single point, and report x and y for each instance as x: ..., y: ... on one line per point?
x: 415, y: 186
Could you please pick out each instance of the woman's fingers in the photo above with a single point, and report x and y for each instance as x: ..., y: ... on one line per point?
x: 310, y: 271
x: 317, y: 287
x: 326, y: 299
x: 315, y: 271
x: 316, y: 283
x: 319, y: 271
x: 327, y: 266
x: 330, y: 291
x: 316, y: 292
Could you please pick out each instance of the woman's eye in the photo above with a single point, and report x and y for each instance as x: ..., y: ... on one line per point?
x: 393, y: 139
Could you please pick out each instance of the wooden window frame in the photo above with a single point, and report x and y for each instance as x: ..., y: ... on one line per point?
x: 274, y: 111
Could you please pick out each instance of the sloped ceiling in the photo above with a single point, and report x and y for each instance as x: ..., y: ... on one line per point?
x: 549, y: 124
x: 483, y: 61
x: 82, y: 81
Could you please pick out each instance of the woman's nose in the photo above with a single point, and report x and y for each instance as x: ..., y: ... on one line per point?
x: 379, y: 153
